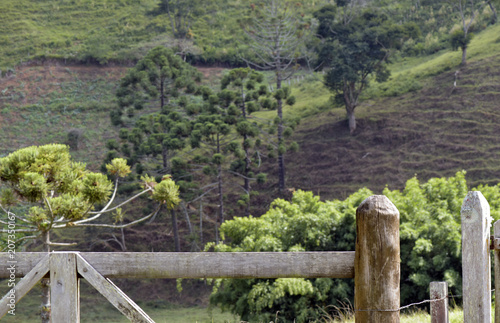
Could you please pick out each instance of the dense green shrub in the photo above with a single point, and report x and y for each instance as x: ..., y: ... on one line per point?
x: 430, y: 247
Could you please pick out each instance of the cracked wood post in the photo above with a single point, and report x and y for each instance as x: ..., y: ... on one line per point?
x: 439, y: 309
x: 377, y: 261
x: 476, y: 272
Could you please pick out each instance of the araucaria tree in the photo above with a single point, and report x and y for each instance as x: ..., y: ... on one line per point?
x: 277, y: 32
x: 154, y: 80
x: 44, y: 190
x: 243, y: 87
x: 352, y: 50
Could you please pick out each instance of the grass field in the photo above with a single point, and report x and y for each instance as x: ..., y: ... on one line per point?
x: 95, y: 308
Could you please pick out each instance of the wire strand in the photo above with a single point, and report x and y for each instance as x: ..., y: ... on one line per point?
x: 410, y: 305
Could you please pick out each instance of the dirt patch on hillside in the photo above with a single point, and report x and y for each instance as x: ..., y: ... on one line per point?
x: 28, y: 84
x: 31, y: 83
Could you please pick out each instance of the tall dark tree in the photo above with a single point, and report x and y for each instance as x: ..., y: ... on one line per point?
x: 247, y: 88
x: 210, y: 133
x: 155, y: 79
x: 354, y: 49
x: 159, y: 86
x: 277, y: 32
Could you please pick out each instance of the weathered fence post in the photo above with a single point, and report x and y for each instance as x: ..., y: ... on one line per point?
x: 64, y: 288
x: 439, y: 309
x: 377, y: 261
x: 476, y: 272
x: 496, y: 232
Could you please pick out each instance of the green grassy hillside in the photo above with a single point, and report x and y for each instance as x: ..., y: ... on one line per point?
x: 436, y: 129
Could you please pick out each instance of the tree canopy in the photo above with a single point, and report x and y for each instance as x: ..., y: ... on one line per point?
x: 53, y: 192
x: 153, y: 81
x: 355, y: 48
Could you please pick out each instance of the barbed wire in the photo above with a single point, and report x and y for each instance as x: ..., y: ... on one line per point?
x: 410, y: 305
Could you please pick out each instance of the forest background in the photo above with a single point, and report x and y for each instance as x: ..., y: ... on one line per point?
x: 63, y: 64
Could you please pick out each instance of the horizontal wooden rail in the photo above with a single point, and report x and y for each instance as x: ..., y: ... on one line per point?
x: 327, y: 264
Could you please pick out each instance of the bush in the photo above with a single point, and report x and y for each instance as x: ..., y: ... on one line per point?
x: 74, y: 136
x: 430, y: 247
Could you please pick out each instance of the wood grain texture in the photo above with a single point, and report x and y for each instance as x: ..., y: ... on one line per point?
x: 24, y: 285
x: 476, y: 272
x: 64, y: 288
x: 26, y: 261
x: 330, y: 264
x: 112, y: 293
x: 377, y: 261
x: 439, y: 309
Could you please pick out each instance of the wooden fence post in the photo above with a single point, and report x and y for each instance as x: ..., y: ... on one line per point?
x: 377, y: 261
x: 476, y: 272
x: 496, y: 232
x: 64, y: 288
x: 439, y: 309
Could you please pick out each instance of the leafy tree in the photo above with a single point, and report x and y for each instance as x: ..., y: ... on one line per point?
x: 155, y: 79
x: 277, y: 33
x: 430, y: 247
x: 55, y: 193
x: 467, y: 10
x: 303, y: 224
x: 354, y: 49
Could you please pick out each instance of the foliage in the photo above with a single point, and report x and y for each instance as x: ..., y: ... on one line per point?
x: 459, y: 40
x: 158, y: 77
x: 278, y: 34
x: 430, y: 247
x: 355, y: 50
x: 305, y: 223
x: 56, y: 192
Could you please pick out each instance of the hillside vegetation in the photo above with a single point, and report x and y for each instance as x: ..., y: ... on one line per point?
x: 62, y: 61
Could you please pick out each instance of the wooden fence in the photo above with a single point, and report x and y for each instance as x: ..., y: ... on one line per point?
x: 374, y: 265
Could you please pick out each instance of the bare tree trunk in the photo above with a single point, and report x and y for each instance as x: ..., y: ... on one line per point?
x: 352, y: 120
x: 162, y: 93
x: 464, y: 55
x: 221, y: 199
x: 220, y: 219
x: 45, y: 282
x: 201, y: 222
x: 176, y: 232
x: 246, y: 183
x: 495, y: 17
x: 186, y: 214
x: 164, y: 157
x: 281, y: 157
x: 124, y: 246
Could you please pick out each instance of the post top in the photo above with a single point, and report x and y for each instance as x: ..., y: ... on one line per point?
x: 378, y: 203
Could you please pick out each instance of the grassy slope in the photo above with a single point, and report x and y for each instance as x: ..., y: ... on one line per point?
x: 67, y: 29
x: 435, y: 131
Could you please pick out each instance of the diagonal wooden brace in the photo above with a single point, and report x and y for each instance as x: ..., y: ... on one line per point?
x: 24, y: 285
x: 109, y: 290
